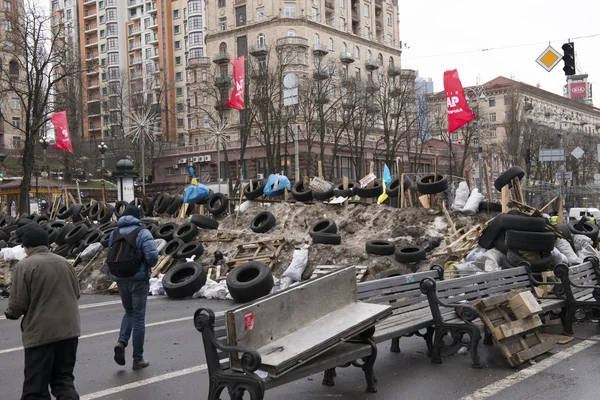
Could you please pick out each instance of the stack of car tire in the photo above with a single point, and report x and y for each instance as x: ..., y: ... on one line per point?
x: 167, y: 204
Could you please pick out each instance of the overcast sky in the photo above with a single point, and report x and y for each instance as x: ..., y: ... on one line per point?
x: 434, y: 27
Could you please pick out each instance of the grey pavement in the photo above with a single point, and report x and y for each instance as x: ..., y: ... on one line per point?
x: 175, y: 351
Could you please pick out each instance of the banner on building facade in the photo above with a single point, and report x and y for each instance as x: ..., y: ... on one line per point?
x: 236, y: 100
x: 63, y: 137
x: 459, y: 113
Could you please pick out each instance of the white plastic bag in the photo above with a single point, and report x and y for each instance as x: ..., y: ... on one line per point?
x: 490, y: 261
x: 565, y: 248
x: 242, y: 208
x: 13, y: 253
x: 472, y: 205
x: 475, y: 254
x: 461, y: 197
x: 91, y: 251
x: 580, y: 241
x: 559, y: 258
x: 297, y: 266
x: 156, y: 286
x: 467, y: 268
x: 214, y: 290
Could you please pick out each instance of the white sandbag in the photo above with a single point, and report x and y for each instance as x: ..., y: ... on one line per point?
x: 475, y: 254
x: 467, y: 268
x: 472, y: 205
x: 559, y: 258
x: 91, y: 251
x: 490, y: 261
x: 580, y: 241
x: 13, y: 253
x: 156, y: 286
x: 565, y: 248
x: 297, y: 266
x: 214, y: 290
x: 242, y: 208
x: 461, y: 197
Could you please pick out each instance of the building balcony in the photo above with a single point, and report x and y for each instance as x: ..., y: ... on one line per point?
x: 329, y: 4
x: 152, y: 9
x: 88, y: 1
x: 348, y: 104
x: 135, y: 31
x: 91, y: 43
x: 95, y: 128
x: 153, y: 24
x: 93, y: 98
x: 92, y: 71
x: 355, y: 17
x: 320, y: 49
x: 135, y: 77
x: 135, y: 46
x: 322, y: 99
x: 198, y: 61
x: 395, y: 92
x: 93, y: 85
x: 221, y: 58
x: 378, y: 25
x: 394, y: 71
x: 136, y: 17
x: 92, y: 56
x: 372, y: 107
x: 321, y: 74
x: 155, y: 55
x: 90, y: 27
x: 89, y: 14
x: 259, y: 50
x: 371, y: 65
x: 135, y: 61
x: 292, y: 41
x: 346, y: 57
x: 378, y: 4
x: 223, y: 81
x: 133, y: 3
x: 372, y: 87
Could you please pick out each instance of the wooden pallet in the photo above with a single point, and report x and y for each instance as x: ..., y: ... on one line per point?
x: 519, y: 339
x: 321, y: 270
x: 266, y: 251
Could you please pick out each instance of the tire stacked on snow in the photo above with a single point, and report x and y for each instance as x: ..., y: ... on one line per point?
x: 325, y: 231
x: 250, y: 281
x: 258, y: 186
x: 380, y: 247
x: 263, y: 222
x: 431, y: 184
x: 204, y: 222
x: 184, y: 280
x: 394, y: 187
x: 370, y: 192
x: 217, y: 204
x: 410, y: 254
x: 300, y: 192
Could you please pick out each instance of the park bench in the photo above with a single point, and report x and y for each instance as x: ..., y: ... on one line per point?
x: 356, y: 348
x: 453, y: 314
x: 411, y: 313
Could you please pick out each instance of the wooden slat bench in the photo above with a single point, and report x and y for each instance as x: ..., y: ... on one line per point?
x: 449, y: 302
x: 580, y: 287
x: 411, y: 312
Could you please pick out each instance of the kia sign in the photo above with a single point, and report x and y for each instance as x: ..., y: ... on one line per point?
x: 578, y: 90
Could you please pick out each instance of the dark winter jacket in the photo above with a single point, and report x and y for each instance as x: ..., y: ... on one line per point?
x: 147, y: 253
x: 45, y: 291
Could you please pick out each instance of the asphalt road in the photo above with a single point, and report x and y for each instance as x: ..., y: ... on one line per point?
x: 174, y: 349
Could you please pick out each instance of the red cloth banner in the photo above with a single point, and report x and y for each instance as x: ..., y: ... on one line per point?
x: 459, y: 113
x: 63, y: 137
x: 236, y: 100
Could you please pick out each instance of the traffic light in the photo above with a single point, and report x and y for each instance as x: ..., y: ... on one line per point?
x: 569, y: 58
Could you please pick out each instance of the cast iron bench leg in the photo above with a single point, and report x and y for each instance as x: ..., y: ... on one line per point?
x: 566, y: 317
x: 328, y: 377
x: 428, y: 336
x: 367, y: 367
x: 395, y: 345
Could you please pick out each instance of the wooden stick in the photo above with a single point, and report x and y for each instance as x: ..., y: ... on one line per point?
x: 345, y: 186
x: 505, y: 199
x: 239, y: 204
x: 447, y: 215
x: 72, y: 198
x: 560, y: 210
x: 78, y: 191
x: 401, y: 195
x: 410, y: 200
x: 550, y: 202
x: 398, y: 173
x: 88, y: 264
x: 66, y: 198
x: 487, y: 181
x: 320, y: 164
x: 370, y: 185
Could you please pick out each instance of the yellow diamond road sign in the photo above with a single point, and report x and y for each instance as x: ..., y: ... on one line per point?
x: 549, y: 58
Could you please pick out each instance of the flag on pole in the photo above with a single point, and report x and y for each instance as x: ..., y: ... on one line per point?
x: 63, y: 137
x: 459, y: 113
x: 236, y: 100
x: 385, y: 180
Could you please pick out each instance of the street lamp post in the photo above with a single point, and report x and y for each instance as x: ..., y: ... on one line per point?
x: 102, y: 148
x: 478, y: 93
x: 44, y: 142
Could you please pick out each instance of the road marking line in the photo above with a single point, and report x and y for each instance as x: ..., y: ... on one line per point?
x: 102, y: 304
x: 91, y: 335
x: 520, y: 376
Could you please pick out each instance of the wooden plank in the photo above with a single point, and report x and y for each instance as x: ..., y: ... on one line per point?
x: 320, y: 166
x: 400, y: 174
x: 530, y: 353
x: 516, y: 327
x: 560, y: 210
x: 505, y: 199
x: 560, y: 339
x: 447, y: 215
x: 487, y: 181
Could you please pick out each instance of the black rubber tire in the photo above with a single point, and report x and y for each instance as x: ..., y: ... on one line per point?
x: 162, y: 203
x: 165, y: 231
x: 173, y: 247
x: 426, y: 185
x: 326, y: 238
x: 85, y: 210
x: 93, y: 236
x: 3, y: 244
x: 23, y: 221
x: 62, y: 250
x: 530, y: 241
x: 544, y: 264
x: 57, y: 224
x: 188, y: 250
x: 507, y: 176
x: 486, y: 206
x: 300, y: 192
x: 204, y: 222
x: 175, y: 205
x: 147, y: 207
x: 4, y: 236
x: 369, y: 192
x: 186, y: 232
x: 586, y: 228
x: 500, y: 243
x: 74, y: 250
x: 64, y: 212
x: 184, y: 280
x: 105, y: 239
x: 323, y: 226
x: 323, y: 196
x: 3, y: 220
x: 105, y: 215
x: 76, y: 212
x: 86, y: 222
x: 21, y: 230
x: 523, y: 223
x: 109, y: 226
x: 217, y: 204
x: 339, y: 191
x: 77, y: 234
x: 95, y: 210
x: 491, y: 233
x: 259, y: 187
x: 250, y: 281
x: 40, y: 220
x: 208, y: 196
x: 120, y: 207
x: 410, y: 254
x: 60, y: 239
x: 380, y: 247
x: 263, y: 222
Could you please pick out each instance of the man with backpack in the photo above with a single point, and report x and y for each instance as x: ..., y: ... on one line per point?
x: 132, y: 255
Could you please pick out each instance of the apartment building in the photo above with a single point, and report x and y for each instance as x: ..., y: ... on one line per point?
x: 134, y: 54
x: 12, y: 75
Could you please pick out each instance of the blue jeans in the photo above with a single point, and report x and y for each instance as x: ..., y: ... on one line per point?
x: 134, y: 296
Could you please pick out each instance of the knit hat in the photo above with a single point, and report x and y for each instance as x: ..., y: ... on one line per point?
x: 133, y: 211
x: 35, y: 237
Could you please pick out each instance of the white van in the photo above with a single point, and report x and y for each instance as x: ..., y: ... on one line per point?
x: 576, y: 213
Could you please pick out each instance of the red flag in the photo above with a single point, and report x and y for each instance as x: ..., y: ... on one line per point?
x: 237, y: 94
x: 459, y: 113
x: 63, y: 138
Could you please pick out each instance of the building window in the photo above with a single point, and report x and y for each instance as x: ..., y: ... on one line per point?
x: 113, y: 59
x: 204, y: 77
x: 178, y: 45
x: 342, y: 24
x: 204, y: 98
x: 291, y: 33
x: 492, y: 117
x: 222, y: 3
x: 367, y: 10
x: 260, y: 13
x: 16, y: 122
x: 315, y: 14
x: 184, y: 170
x: 290, y: 9
x: 7, y: 6
x: 330, y: 44
x: 492, y: 101
x: 103, y: 48
x: 111, y: 14
x: 69, y: 14
x: 223, y: 24
x: 103, y: 77
x: 102, y: 33
x: 101, y: 5
x: 178, y: 60
x: 356, y: 52
x: 179, y: 92
x: 101, y: 19
x: 15, y: 104
x: 206, y: 124
x: 176, y: 14
x: 342, y: 3
x: 179, y: 107
x: 180, y: 123
x: 105, y: 91
x: 177, y: 29
x: 16, y: 142
x: 179, y: 76
x: 357, y: 73
x: 169, y: 171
